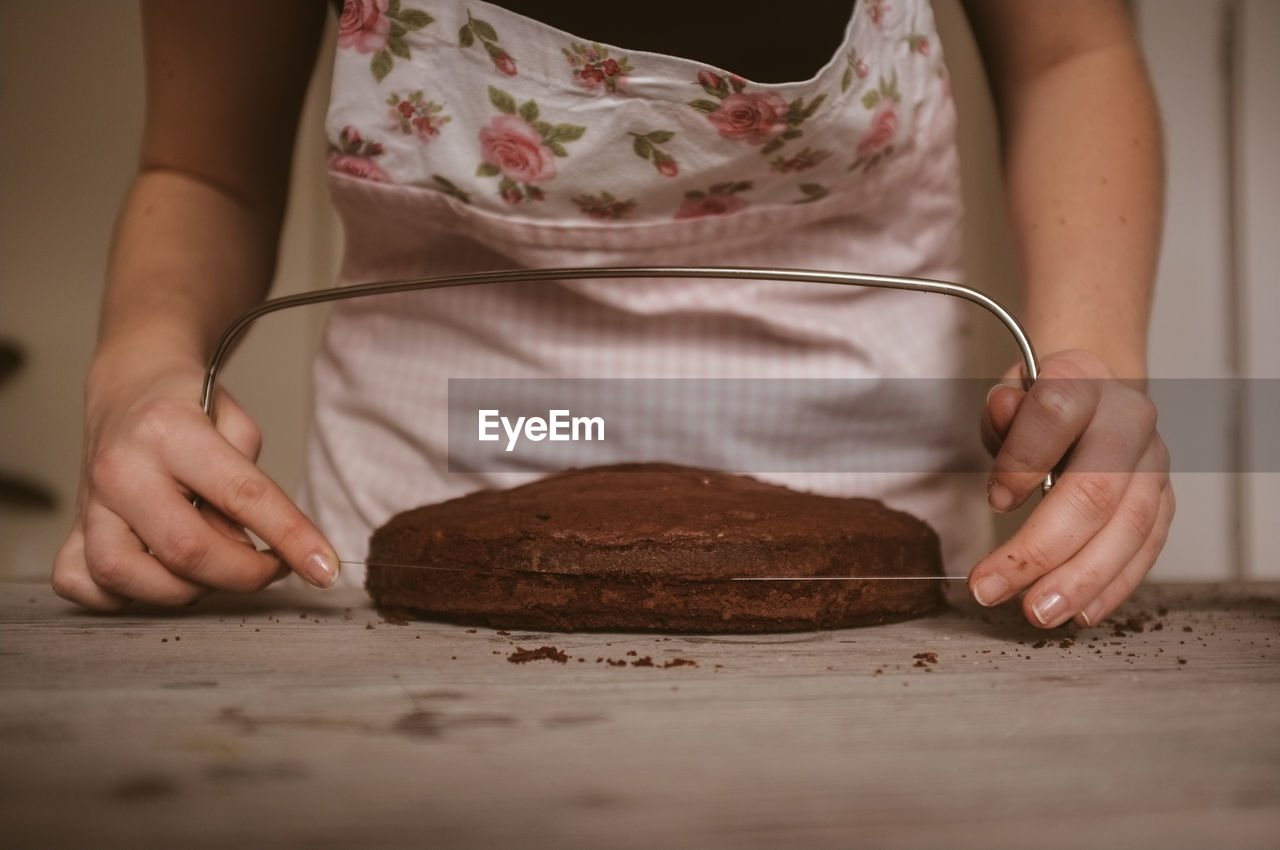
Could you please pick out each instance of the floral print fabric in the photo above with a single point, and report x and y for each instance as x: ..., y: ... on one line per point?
x: 464, y: 138
x: 515, y: 118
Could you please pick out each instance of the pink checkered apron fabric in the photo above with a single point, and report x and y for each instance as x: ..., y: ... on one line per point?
x: 465, y: 137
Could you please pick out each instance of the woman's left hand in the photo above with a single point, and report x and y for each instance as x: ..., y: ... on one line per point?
x: 1098, y: 531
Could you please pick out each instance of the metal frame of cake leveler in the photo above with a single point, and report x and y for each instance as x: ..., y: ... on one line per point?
x: 911, y: 284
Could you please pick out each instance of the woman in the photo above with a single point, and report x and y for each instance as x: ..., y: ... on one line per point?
x: 466, y: 135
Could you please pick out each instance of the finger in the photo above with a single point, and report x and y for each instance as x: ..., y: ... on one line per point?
x: 1119, y: 589
x: 243, y: 434
x: 119, y: 563
x: 219, y: 522
x: 1076, y: 509
x: 1052, y: 416
x: 236, y: 426
x: 71, y: 579
x: 178, y: 537
x: 1067, y: 590
x: 145, y: 496
x: 998, y: 414
x: 247, y: 496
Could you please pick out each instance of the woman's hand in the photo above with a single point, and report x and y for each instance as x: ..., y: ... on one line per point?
x: 148, y: 449
x: 194, y: 247
x: 1098, y: 531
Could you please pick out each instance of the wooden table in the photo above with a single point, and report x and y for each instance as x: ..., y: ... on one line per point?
x: 300, y: 718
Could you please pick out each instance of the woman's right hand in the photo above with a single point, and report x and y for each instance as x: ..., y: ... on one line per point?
x: 149, y: 449
x: 195, y: 246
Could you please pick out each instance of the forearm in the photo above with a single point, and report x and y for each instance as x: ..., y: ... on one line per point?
x: 186, y: 260
x: 195, y: 242
x: 1083, y: 170
x: 1084, y: 179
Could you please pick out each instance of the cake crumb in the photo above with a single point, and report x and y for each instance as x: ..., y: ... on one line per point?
x: 646, y: 661
x: 521, y: 656
x: 681, y: 662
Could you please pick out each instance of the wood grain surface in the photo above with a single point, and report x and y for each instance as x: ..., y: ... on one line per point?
x: 300, y: 718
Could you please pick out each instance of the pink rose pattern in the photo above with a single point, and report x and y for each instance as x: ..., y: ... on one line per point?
x: 521, y: 148
x: 753, y: 118
x: 414, y: 114
x: 764, y: 119
x: 353, y: 155
x: 803, y: 161
x: 649, y: 146
x: 476, y: 31
x: 594, y: 69
x: 877, y: 9
x: 720, y: 199
x: 856, y: 68
x: 512, y: 147
x: 364, y: 25
x: 884, y: 126
x: 379, y: 27
x: 877, y: 144
x: 604, y: 206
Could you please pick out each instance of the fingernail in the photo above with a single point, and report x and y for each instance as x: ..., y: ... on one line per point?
x: 1048, y: 610
x: 321, y: 570
x: 1092, y: 613
x: 992, y: 392
x: 990, y: 590
x: 1000, y: 497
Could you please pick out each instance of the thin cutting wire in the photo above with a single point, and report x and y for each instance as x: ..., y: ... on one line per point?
x: 913, y: 284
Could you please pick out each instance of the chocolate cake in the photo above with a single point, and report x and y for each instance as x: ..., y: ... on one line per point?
x: 654, y: 547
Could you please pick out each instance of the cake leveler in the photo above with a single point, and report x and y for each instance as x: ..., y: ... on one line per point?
x: 233, y: 331
x: 482, y: 572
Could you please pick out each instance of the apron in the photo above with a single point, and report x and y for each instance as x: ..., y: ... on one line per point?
x: 465, y: 137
